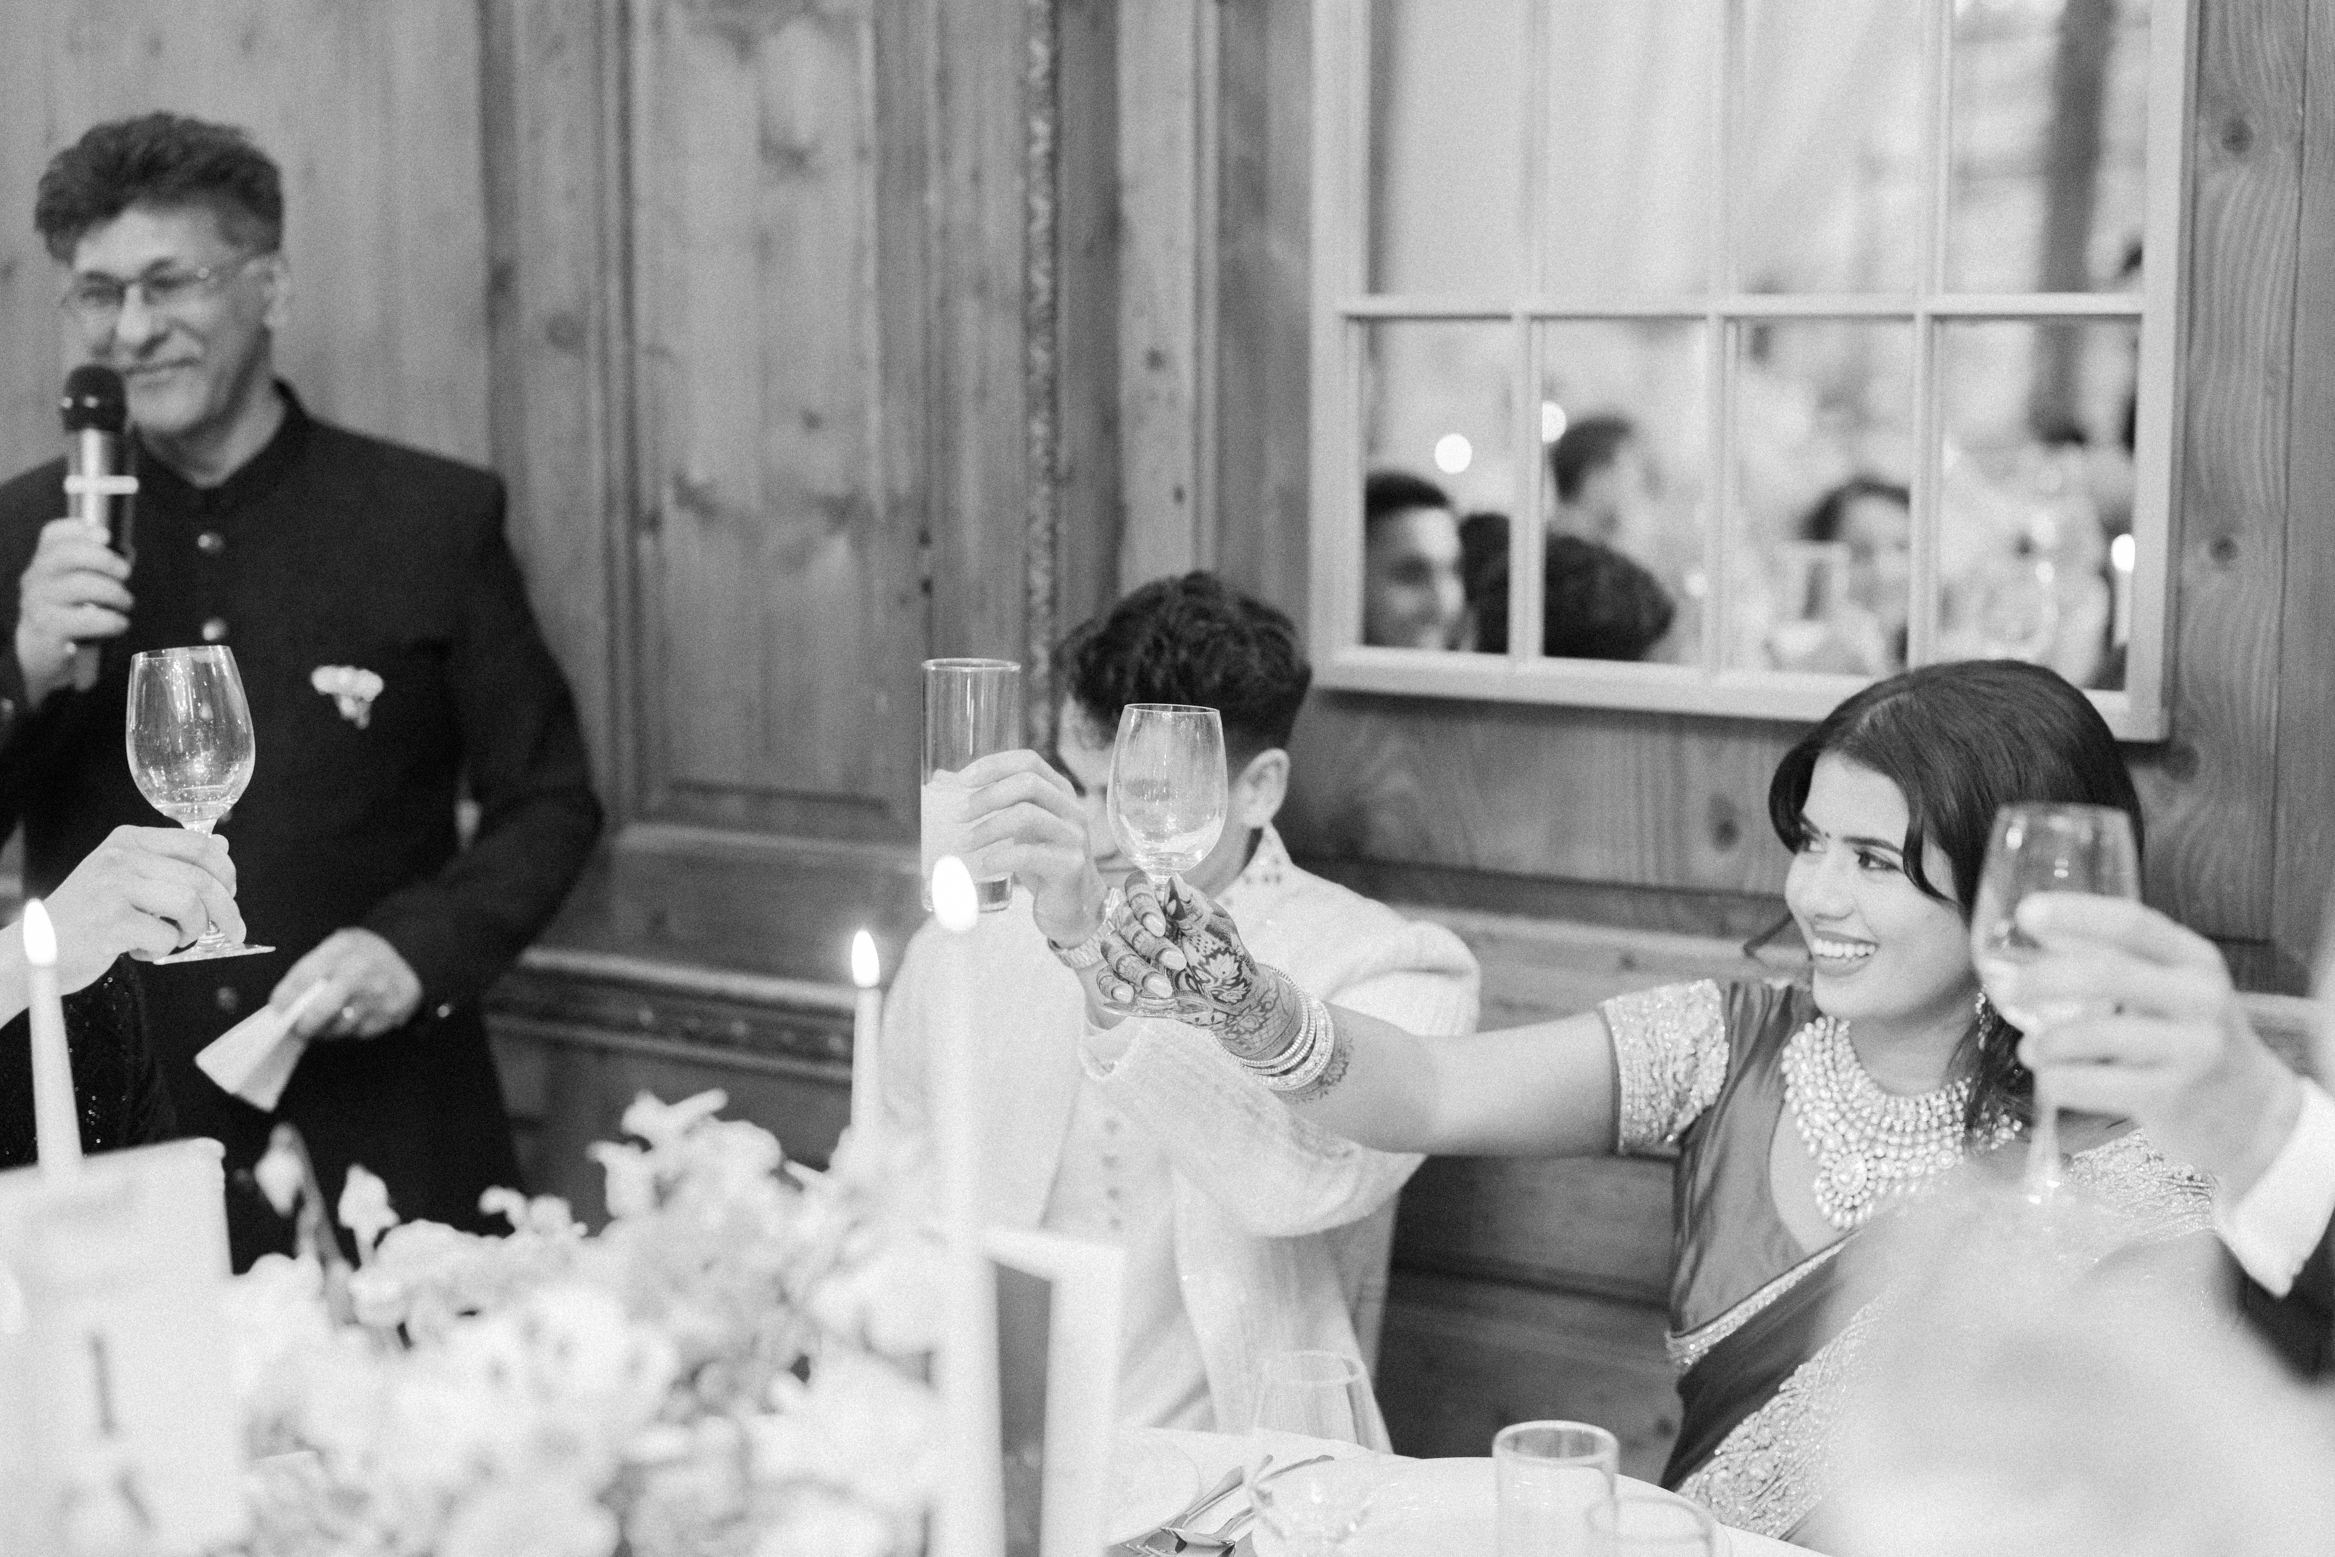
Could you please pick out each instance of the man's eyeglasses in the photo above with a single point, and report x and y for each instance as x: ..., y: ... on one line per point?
x: 97, y: 299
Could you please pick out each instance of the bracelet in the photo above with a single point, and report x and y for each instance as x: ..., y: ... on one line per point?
x: 1087, y: 953
x: 1303, y: 1062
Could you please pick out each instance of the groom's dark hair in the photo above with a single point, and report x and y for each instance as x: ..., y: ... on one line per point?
x: 1193, y: 639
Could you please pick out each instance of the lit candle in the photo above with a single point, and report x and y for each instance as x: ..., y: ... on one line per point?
x: 2122, y: 554
x: 867, y: 1018
x: 55, y: 1129
x: 970, y: 1524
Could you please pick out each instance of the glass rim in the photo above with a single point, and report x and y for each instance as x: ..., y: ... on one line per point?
x: 1678, y: 1516
x: 1169, y: 708
x: 1507, y: 1440
x: 186, y: 650
x: 971, y: 663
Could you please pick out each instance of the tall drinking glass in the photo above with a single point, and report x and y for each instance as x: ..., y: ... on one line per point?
x: 1641, y: 1522
x: 2044, y: 848
x: 188, y: 733
x: 1549, y: 1475
x: 971, y: 708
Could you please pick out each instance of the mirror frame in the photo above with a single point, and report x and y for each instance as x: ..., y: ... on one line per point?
x: 1343, y: 309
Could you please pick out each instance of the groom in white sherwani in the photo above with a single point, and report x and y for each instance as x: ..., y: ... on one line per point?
x: 1246, y: 1231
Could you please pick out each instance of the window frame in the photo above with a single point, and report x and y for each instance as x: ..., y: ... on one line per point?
x: 1344, y: 309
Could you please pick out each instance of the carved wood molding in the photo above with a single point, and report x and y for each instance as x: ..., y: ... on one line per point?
x: 1041, y: 361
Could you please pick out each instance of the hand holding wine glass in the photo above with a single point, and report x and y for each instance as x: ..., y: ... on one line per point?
x: 189, y: 736
x: 2043, y: 848
x: 1168, y: 795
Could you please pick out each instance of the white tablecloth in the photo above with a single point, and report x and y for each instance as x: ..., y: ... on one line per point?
x: 1449, y: 1502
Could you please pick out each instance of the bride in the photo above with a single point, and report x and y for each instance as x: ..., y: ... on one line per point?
x: 1797, y: 1112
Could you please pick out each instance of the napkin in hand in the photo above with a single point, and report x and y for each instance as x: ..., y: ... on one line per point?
x: 253, y: 1060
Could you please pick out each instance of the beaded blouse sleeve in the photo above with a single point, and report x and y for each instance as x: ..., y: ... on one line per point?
x: 1670, y: 1059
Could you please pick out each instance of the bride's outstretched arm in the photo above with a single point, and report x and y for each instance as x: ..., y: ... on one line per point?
x: 1543, y: 1090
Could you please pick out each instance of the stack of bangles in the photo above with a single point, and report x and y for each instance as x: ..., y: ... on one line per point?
x: 1301, y: 1064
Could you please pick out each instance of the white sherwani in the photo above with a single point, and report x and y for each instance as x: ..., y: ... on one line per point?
x: 1279, y: 1229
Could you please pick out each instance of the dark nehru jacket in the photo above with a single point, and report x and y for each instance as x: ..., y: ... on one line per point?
x: 329, y: 549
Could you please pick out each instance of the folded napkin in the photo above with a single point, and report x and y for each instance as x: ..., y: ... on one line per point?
x: 253, y: 1059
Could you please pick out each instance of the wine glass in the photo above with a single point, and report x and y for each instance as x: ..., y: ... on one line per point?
x: 1167, y: 797
x: 2044, y: 848
x: 1312, y: 1510
x: 188, y: 731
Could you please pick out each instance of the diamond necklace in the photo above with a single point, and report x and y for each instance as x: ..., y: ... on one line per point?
x: 1867, y: 1143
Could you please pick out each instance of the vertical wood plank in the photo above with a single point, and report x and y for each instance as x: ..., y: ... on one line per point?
x: 1161, y: 82
x: 2301, y: 925
x: 2210, y: 791
x: 979, y: 494
x: 373, y: 113
x: 1088, y: 540
x: 557, y: 413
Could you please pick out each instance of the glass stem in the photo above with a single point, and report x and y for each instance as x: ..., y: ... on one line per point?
x: 2043, y: 1147
x: 212, y: 935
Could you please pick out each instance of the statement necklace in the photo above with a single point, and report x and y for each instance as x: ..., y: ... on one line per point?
x: 1867, y: 1143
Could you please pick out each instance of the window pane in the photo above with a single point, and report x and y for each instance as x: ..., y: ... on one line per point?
x: 1828, y: 158
x: 2037, y: 489
x: 1447, y: 139
x: 1627, y: 197
x: 1822, y: 525
x: 1624, y: 428
x: 1439, y: 448
x: 2050, y: 105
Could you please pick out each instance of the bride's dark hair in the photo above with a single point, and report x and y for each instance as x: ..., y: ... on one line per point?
x: 1960, y: 741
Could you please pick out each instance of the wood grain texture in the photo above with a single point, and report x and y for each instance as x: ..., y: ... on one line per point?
x: 1164, y: 114
x: 1086, y: 569
x: 1459, y: 1360
x: 974, y: 213
x: 2210, y: 792
x: 372, y: 111
x: 560, y: 411
x: 2300, y: 923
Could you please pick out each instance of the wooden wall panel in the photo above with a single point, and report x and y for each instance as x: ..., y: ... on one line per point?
x: 772, y: 645
x: 373, y: 113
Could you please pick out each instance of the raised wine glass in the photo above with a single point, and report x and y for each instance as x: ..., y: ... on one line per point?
x: 188, y: 730
x: 1167, y: 797
x: 2044, y: 848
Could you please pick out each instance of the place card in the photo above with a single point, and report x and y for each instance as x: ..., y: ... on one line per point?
x: 1057, y: 1388
x: 118, y: 1427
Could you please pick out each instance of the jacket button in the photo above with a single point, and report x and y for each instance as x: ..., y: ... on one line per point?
x: 210, y: 543
x: 228, y: 999
x: 214, y: 629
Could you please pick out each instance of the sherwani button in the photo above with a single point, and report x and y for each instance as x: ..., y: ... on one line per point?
x: 215, y: 629
x: 210, y: 543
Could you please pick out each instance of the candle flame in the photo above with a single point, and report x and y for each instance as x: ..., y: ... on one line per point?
x: 866, y: 972
x: 40, y: 937
x: 953, y: 900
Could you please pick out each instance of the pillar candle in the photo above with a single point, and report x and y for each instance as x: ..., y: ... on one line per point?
x: 867, y: 1020
x: 971, y: 1512
x: 56, y: 1130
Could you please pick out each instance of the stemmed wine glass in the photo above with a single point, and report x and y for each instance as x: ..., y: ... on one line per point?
x: 1167, y: 798
x: 2044, y: 848
x: 188, y: 730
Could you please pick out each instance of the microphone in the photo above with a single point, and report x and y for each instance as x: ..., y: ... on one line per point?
x: 96, y: 412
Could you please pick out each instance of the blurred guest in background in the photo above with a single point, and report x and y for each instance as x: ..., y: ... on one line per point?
x: 1246, y: 1231
x: 1412, y: 597
x: 1606, y: 483
x: 1596, y: 604
x: 1857, y: 627
x: 388, y: 652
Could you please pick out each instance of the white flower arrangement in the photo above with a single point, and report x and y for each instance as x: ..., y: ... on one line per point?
x: 736, y: 1364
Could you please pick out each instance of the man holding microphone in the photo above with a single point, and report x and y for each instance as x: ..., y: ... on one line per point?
x: 386, y: 647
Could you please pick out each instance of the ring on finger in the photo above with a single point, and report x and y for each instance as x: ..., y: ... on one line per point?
x: 349, y: 1016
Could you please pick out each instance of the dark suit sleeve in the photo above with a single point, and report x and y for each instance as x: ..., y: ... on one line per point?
x: 523, y: 755
x: 2300, y: 1325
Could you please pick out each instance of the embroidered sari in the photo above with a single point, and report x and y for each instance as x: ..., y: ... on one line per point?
x: 1765, y: 1332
